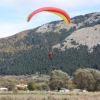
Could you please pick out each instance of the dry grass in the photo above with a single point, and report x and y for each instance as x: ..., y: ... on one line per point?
x: 48, y: 95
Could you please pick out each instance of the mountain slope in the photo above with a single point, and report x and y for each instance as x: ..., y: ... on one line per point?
x: 75, y: 45
x: 89, y: 36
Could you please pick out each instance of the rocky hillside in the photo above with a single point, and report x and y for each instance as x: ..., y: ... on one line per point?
x: 86, y: 33
x: 83, y: 29
x: 74, y: 45
x: 89, y: 36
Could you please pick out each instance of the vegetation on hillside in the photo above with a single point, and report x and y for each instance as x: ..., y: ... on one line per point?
x: 27, y: 52
x: 36, y: 60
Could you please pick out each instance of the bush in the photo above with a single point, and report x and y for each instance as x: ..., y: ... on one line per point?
x: 39, y: 87
x: 31, y: 86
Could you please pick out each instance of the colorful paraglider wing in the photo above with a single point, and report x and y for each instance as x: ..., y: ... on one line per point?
x: 64, y: 15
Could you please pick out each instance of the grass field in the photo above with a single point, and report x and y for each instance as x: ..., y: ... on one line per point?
x: 48, y: 95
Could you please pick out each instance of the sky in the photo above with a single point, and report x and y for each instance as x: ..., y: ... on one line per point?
x: 14, y: 13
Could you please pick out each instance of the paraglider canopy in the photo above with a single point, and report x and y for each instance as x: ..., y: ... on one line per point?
x: 63, y: 14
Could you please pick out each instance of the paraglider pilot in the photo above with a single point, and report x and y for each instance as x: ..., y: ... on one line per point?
x: 50, y: 54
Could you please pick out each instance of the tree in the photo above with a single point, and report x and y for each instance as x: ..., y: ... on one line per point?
x: 45, y: 87
x: 11, y: 86
x: 58, y: 79
x: 31, y: 86
x: 70, y: 85
x: 87, y: 79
